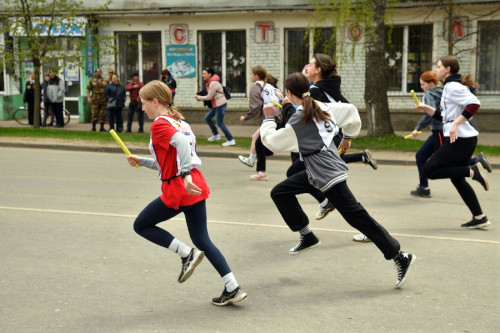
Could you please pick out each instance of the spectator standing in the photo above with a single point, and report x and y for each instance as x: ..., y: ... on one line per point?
x: 98, y: 100
x: 167, y: 78
x: 115, y: 99
x: 29, y: 97
x: 55, y: 93
x: 46, y: 102
x: 135, y: 105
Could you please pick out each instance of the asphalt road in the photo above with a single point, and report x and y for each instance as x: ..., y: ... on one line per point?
x: 70, y: 261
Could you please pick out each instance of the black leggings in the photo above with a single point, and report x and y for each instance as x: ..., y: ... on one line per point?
x: 196, y: 220
x: 262, y: 152
x: 452, y: 161
x: 284, y: 197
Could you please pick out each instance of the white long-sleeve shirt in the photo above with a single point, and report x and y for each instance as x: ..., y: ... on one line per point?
x: 455, y: 98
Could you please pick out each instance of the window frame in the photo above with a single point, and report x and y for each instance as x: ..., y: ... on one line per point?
x: 405, y: 50
x: 140, y: 58
x: 223, y: 49
x: 480, y: 91
x: 309, y: 44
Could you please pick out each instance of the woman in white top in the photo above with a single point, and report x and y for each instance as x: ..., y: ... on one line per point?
x: 458, y: 105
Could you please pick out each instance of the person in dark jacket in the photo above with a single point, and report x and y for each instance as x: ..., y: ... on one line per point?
x: 29, y: 97
x: 322, y: 71
x: 166, y: 77
x: 115, y: 98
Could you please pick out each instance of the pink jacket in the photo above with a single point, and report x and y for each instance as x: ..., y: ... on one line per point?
x: 215, y: 93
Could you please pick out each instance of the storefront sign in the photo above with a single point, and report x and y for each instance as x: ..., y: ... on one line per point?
x: 354, y: 33
x: 179, y: 34
x: 458, y: 28
x: 181, y: 60
x: 264, y: 32
x: 46, y: 25
x: 89, y: 54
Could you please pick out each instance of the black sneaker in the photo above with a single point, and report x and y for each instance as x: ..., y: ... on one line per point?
x: 323, y: 211
x: 484, y: 162
x: 480, y: 175
x: 403, y: 262
x: 420, y: 192
x: 307, y: 241
x: 229, y: 297
x: 367, y: 158
x: 189, y: 263
x: 477, y: 224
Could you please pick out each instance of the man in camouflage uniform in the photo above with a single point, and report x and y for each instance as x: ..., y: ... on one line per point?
x: 98, y: 100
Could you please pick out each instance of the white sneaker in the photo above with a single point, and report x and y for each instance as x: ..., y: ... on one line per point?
x: 229, y: 143
x: 246, y: 161
x: 215, y: 137
x: 323, y: 211
x: 361, y: 238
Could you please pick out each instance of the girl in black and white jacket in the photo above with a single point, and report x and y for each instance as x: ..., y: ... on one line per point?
x: 458, y: 105
x: 310, y: 131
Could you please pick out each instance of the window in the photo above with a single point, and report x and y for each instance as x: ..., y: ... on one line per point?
x: 225, y: 53
x: 409, y: 54
x: 488, y: 59
x: 299, y: 49
x: 140, y: 52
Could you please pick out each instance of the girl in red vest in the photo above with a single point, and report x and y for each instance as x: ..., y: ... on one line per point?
x: 184, y: 190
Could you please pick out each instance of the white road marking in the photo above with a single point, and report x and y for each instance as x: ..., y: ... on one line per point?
x: 249, y: 224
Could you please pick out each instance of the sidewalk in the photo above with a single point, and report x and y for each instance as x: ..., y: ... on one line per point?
x: 202, y: 130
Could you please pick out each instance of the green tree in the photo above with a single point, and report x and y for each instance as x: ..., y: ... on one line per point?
x: 372, y: 15
x: 39, y: 30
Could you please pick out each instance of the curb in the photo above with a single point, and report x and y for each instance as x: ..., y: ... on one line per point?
x: 200, y: 151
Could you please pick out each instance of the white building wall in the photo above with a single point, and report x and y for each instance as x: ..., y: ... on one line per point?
x: 272, y: 55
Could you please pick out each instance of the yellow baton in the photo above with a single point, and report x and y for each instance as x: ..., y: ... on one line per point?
x: 121, y: 144
x: 348, y: 144
x: 277, y: 104
x: 409, y: 135
x: 414, y: 97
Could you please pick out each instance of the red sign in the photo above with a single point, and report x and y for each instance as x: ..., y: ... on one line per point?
x: 179, y: 34
x: 264, y: 32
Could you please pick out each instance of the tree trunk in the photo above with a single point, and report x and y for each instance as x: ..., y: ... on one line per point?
x: 376, y: 103
x: 450, y: 27
x: 36, y: 86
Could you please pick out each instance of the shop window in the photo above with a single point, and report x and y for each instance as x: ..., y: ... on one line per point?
x: 488, y: 58
x: 225, y: 53
x: 409, y: 54
x: 140, y: 53
x: 299, y: 48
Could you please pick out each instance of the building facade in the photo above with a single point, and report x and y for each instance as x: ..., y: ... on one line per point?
x: 231, y: 37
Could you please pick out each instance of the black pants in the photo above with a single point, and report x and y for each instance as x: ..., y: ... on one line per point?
x: 133, y: 108
x: 298, y: 166
x: 284, y: 197
x: 452, y: 161
x: 57, y: 108
x: 262, y: 153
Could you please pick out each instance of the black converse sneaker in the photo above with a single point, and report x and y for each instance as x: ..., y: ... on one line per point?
x: 307, y: 241
x: 480, y: 175
x: 229, y: 297
x: 189, y: 263
x: 367, y: 158
x: 477, y: 223
x: 403, y: 262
